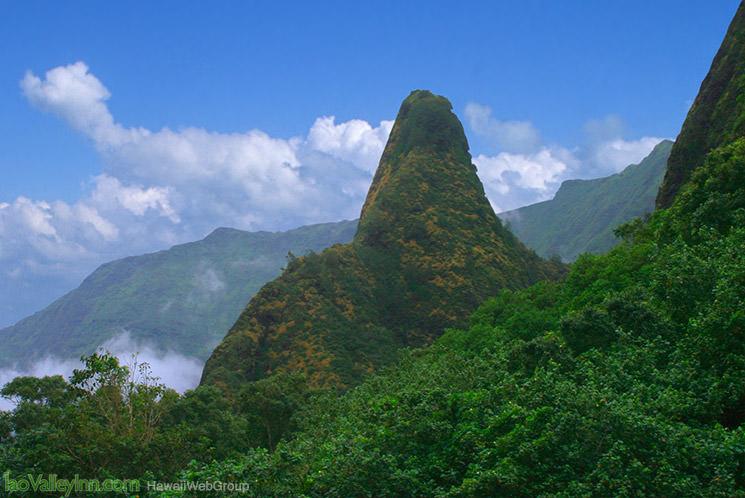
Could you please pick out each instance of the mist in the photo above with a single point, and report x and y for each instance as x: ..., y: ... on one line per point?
x: 175, y: 370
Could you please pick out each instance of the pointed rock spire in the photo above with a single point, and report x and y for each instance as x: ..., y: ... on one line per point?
x: 428, y: 250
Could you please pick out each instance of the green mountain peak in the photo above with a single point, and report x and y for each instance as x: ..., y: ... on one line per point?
x: 427, y: 251
x: 425, y: 177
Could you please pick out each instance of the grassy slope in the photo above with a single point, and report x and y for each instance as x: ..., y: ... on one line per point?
x: 183, y: 299
x: 583, y: 214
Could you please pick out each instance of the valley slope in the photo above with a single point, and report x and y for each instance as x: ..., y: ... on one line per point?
x: 717, y: 114
x: 583, y: 214
x: 182, y: 299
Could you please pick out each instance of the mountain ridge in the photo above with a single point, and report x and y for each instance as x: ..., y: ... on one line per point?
x: 583, y: 213
x: 141, y: 294
x: 717, y: 115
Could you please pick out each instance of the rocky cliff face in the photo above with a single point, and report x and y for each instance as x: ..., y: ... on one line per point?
x: 716, y: 117
x: 427, y: 251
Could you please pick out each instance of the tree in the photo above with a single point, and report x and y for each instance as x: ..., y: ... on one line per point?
x: 269, y: 405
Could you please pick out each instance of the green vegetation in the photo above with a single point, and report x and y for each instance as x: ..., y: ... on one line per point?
x: 113, y: 421
x: 716, y: 117
x: 428, y: 250
x: 182, y: 299
x: 626, y: 378
x: 584, y: 213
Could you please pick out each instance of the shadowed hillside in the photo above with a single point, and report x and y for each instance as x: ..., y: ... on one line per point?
x: 716, y: 117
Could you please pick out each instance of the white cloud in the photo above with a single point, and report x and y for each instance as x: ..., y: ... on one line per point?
x: 173, y: 369
x: 162, y: 187
x: 355, y: 141
x: 136, y: 199
x: 526, y: 170
x: 509, y: 136
x: 45, y: 367
x: 35, y: 216
x: 79, y: 97
x: 535, y: 171
x: 206, y: 178
x: 606, y: 151
x: 614, y: 155
x: 513, y: 180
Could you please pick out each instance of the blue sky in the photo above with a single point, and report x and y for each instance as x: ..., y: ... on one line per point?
x: 277, y: 66
x: 148, y: 141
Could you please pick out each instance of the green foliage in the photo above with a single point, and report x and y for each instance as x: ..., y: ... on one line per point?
x: 115, y: 421
x: 103, y: 421
x: 713, y: 199
x: 717, y: 116
x: 583, y: 214
x: 207, y: 426
x: 626, y: 379
x: 182, y: 299
x: 587, y: 329
x: 429, y: 127
x: 269, y: 405
x: 428, y: 250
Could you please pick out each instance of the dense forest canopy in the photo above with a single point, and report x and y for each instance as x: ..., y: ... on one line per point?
x: 625, y: 378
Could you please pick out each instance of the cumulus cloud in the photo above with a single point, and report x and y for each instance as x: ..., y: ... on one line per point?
x: 614, y: 155
x: 607, y: 152
x: 514, y: 180
x: 355, y: 141
x: 162, y: 187
x: 172, y: 369
x: 76, y: 95
x: 509, y: 136
x: 248, y: 179
x: 535, y: 171
x: 526, y: 170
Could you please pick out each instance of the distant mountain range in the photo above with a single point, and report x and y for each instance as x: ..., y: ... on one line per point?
x: 186, y: 298
x: 583, y: 214
x: 183, y: 299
